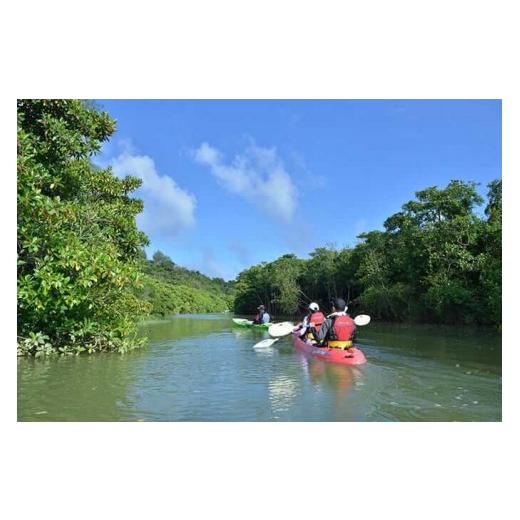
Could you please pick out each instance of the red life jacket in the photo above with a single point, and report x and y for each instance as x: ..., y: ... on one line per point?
x: 317, y: 318
x: 342, y: 328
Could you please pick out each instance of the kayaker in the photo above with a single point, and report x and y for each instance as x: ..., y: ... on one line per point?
x: 314, y: 315
x: 337, y: 331
x: 262, y: 316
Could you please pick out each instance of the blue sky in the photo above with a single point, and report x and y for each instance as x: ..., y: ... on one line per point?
x: 228, y: 184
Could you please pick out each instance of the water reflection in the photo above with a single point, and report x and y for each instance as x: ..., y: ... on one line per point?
x: 74, y: 388
x: 282, y: 394
x: 182, y: 326
x: 339, y: 378
x: 206, y: 370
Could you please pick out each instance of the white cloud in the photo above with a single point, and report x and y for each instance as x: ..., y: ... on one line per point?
x: 257, y: 176
x: 168, y: 209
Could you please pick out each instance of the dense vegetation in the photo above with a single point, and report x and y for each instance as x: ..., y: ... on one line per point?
x: 83, y: 280
x: 78, y: 244
x: 435, y: 261
x: 172, y: 289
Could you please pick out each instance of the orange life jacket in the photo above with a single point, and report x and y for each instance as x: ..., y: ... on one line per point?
x: 341, y: 332
x: 317, y: 318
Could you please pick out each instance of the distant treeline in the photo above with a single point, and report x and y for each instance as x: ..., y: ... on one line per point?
x: 172, y: 289
x: 436, y: 261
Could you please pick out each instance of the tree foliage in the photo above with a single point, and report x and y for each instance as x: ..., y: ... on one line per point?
x: 162, y: 267
x: 435, y: 261
x: 172, y: 289
x: 78, y: 245
x: 273, y: 284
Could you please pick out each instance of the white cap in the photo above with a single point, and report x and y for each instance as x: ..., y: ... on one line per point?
x: 314, y: 306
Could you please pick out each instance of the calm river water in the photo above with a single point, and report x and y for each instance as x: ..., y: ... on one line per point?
x: 201, y: 368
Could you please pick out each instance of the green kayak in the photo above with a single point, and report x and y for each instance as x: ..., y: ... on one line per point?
x: 240, y: 322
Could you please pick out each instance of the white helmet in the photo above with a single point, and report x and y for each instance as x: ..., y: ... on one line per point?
x: 314, y: 306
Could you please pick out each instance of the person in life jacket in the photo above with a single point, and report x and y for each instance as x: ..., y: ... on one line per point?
x: 314, y: 315
x: 337, y: 331
x: 262, y: 316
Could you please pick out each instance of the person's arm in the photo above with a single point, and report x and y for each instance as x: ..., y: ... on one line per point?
x: 321, y: 334
x: 303, y: 326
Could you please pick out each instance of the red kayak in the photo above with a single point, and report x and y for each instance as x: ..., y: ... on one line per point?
x: 331, y: 355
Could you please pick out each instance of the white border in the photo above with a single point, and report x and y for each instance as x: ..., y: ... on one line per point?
x: 232, y: 49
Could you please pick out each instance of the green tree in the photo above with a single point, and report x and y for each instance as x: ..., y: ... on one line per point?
x: 78, y: 245
x: 172, y: 289
x: 432, y: 250
x: 490, y: 259
x: 162, y: 267
x: 319, y: 278
x: 494, y: 206
x: 435, y: 261
x: 384, y: 297
x: 283, y: 284
x: 435, y: 205
x: 252, y: 289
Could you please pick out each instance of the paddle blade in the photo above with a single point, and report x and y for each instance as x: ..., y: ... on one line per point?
x: 266, y: 343
x: 362, y: 319
x: 277, y: 330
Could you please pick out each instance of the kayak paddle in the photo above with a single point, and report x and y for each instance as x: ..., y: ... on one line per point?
x: 362, y: 319
x: 277, y: 330
x: 265, y: 343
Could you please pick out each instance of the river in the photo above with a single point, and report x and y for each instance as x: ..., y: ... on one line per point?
x: 201, y: 368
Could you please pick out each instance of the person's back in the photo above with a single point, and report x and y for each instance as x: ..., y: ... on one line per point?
x: 266, y: 318
x: 317, y: 318
x: 338, y: 329
x: 341, y: 332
